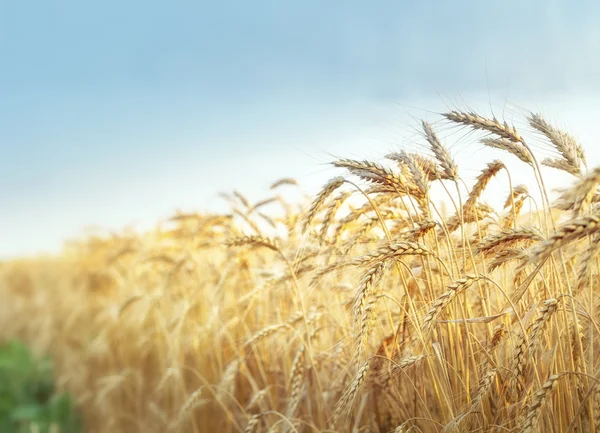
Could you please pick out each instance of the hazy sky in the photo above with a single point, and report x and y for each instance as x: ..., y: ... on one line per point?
x: 113, y: 111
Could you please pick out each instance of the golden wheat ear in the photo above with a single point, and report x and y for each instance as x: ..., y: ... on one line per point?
x: 326, y: 191
x: 572, y: 154
x: 442, y: 154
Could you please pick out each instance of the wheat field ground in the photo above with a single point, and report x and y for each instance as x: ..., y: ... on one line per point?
x: 371, y: 307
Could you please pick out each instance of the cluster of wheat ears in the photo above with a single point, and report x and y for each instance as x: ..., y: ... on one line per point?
x: 369, y: 309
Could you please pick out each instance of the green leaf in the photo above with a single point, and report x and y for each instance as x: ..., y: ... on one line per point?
x: 27, y: 413
x: 28, y: 396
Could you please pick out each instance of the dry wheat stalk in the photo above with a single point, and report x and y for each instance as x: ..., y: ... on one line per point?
x: 583, y: 276
x: 597, y: 407
x: 428, y: 166
x: 326, y: 191
x: 331, y: 212
x: 476, y: 213
x: 485, y: 383
x: 449, y: 167
x: 392, y: 214
x: 226, y: 387
x: 519, y: 361
x: 363, y: 230
x: 244, y: 215
x: 510, y: 219
x: 546, y: 311
x: 508, y: 237
x: 266, y: 332
x: 284, y: 181
x: 580, y: 197
x: 507, y: 255
x: 378, y: 174
x: 346, y: 222
x: 258, y: 241
x: 252, y: 423
x: 190, y: 404
x: 369, y: 281
x: 516, y: 149
x: 366, y: 324
x: 421, y: 229
x: 388, y: 252
x: 268, y: 219
x: 350, y: 394
x: 416, y: 172
x: 526, y: 346
x: 575, y: 334
x: 573, y: 230
x: 256, y: 398
x: 492, y: 125
x: 402, y: 428
x: 517, y: 191
x: 561, y: 164
x: 407, y: 362
x: 296, y: 382
x: 419, y: 180
x: 441, y: 302
x: 242, y: 198
x: 482, y: 180
x: 531, y: 419
x: 499, y: 333
x: 589, y: 188
x: 262, y: 203
x: 568, y: 147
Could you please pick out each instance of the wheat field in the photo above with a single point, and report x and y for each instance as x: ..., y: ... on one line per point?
x: 370, y: 307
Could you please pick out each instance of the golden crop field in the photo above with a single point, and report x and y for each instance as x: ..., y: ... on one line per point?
x: 369, y: 308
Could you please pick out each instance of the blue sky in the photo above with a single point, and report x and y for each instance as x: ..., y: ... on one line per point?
x: 113, y: 112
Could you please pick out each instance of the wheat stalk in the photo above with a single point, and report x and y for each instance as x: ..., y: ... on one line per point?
x: 516, y: 149
x: 349, y: 396
x: 363, y: 310
x: 482, y: 181
x: 573, y: 230
x: 252, y: 423
x: 326, y: 191
x: 531, y: 419
x: 507, y: 255
x: 449, y: 167
x: 441, y: 302
x: 284, y: 181
x: 586, y: 261
x: 548, y: 308
x: 494, y: 126
x: 568, y: 147
x: 378, y: 174
x: 257, y: 241
x: 296, y: 381
x: 508, y: 237
x: 331, y: 212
